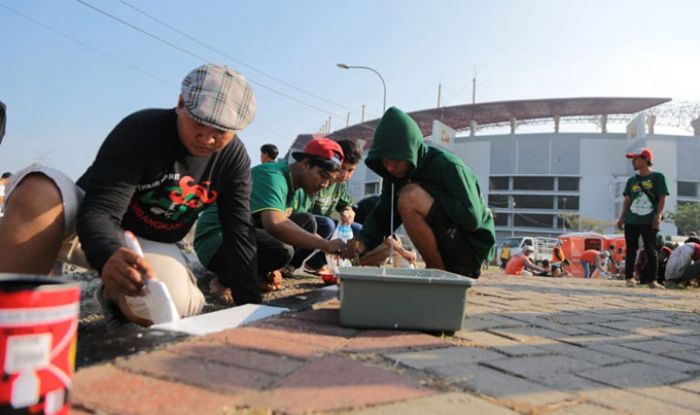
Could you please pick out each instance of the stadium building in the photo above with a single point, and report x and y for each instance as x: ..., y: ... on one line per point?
x: 539, y: 159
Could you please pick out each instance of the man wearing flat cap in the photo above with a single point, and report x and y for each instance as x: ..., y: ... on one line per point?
x: 154, y: 174
x: 642, y: 212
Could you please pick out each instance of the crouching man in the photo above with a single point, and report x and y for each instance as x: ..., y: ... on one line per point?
x: 153, y: 175
x: 433, y: 193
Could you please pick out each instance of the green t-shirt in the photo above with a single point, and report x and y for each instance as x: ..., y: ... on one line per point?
x: 644, y: 193
x: 272, y: 190
x: 333, y: 198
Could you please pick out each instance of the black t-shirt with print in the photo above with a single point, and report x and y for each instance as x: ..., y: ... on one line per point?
x: 144, y: 180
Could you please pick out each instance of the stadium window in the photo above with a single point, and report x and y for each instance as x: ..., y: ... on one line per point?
x: 498, y: 183
x: 534, y: 202
x: 571, y: 203
x: 500, y: 219
x: 534, y: 221
x: 498, y: 201
x: 568, y: 183
x: 371, y: 188
x: 533, y: 183
x: 688, y: 189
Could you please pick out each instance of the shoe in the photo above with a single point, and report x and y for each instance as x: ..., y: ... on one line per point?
x: 631, y: 282
x: 670, y: 285
x: 655, y: 285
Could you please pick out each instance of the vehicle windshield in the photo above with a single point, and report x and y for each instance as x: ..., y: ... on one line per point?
x: 512, y: 242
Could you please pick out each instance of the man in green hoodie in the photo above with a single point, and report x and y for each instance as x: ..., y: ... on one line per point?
x: 435, y: 195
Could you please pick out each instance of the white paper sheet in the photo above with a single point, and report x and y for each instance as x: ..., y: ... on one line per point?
x: 221, y: 320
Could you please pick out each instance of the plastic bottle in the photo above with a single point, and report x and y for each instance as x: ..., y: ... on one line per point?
x: 344, y: 232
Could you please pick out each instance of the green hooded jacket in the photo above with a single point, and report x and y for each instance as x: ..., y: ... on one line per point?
x: 441, y: 173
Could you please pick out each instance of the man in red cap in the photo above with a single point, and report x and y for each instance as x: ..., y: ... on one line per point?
x: 286, y: 233
x: 642, y: 213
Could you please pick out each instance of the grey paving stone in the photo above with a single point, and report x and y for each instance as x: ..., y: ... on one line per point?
x: 444, y: 357
x: 652, y: 359
x: 631, y: 324
x: 582, y: 318
x: 598, y: 329
x: 588, y: 355
x: 634, y: 403
x: 634, y: 375
x: 491, y: 382
x: 570, y: 382
x: 540, y: 367
x: 499, y: 343
x: 445, y: 404
x: 658, y: 346
x: 693, y: 339
x: 487, y: 321
x: 530, y: 335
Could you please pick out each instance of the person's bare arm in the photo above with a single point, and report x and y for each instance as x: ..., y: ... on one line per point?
x: 532, y: 267
x: 656, y: 223
x: 278, y: 225
x: 625, y: 206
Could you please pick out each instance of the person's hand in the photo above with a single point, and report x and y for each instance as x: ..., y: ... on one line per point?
x: 335, y: 247
x: 125, y: 271
x: 409, y: 256
x: 621, y: 223
x: 656, y: 222
x: 354, y: 249
x: 347, y: 217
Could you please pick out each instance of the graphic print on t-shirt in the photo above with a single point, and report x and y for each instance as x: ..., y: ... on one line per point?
x: 641, y: 205
x: 173, y: 201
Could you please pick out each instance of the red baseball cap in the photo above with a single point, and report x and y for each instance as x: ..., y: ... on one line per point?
x: 644, y: 153
x: 322, y: 148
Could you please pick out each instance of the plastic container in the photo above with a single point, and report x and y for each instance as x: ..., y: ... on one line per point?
x: 38, y: 326
x: 391, y: 298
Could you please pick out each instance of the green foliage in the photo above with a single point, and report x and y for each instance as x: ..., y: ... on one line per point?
x: 686, y: 218
x: 577, y: 223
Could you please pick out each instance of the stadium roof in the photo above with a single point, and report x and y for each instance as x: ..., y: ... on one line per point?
x: 460, y: 116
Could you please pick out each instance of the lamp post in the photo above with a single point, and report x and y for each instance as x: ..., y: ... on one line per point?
x: 512, y: 216
x: 563, y: 222
x: 344, y: 66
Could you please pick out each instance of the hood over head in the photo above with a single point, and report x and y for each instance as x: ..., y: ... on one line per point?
x: 397, y: 137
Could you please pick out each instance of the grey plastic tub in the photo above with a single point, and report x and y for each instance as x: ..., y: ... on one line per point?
x: 401, y: 298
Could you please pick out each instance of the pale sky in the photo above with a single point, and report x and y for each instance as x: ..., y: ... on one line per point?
x: 69, y: 73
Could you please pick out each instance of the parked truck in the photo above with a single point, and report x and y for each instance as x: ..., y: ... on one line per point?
x: 542, y: 247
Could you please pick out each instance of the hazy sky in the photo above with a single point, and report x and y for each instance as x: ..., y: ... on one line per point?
x: 68, y: 73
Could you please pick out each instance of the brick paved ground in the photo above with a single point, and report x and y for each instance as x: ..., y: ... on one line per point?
x: 529, y: 345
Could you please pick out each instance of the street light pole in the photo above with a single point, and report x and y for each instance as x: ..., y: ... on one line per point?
x: 512, y: 217
x: 344, y: 66
x: 563, y: 222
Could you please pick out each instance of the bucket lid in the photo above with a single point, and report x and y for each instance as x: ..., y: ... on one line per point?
x: 418, y: 276
x: 21, y: 282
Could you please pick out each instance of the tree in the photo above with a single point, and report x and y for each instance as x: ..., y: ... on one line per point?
x: 579, y: 223
x: 686, y: 218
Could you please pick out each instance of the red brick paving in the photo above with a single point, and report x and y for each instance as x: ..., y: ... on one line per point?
x: 108, y: 389
x: 247, y: 359
x: 285, y: 342
x: 306, y: 326
x: 197, y: 371
x: 335, y: 382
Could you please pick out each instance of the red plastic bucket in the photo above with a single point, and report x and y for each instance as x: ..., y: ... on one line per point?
x: 38, y: 327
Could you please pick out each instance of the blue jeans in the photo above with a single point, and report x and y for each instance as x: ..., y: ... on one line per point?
x: 325, y: 227
x: 586, y: 269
